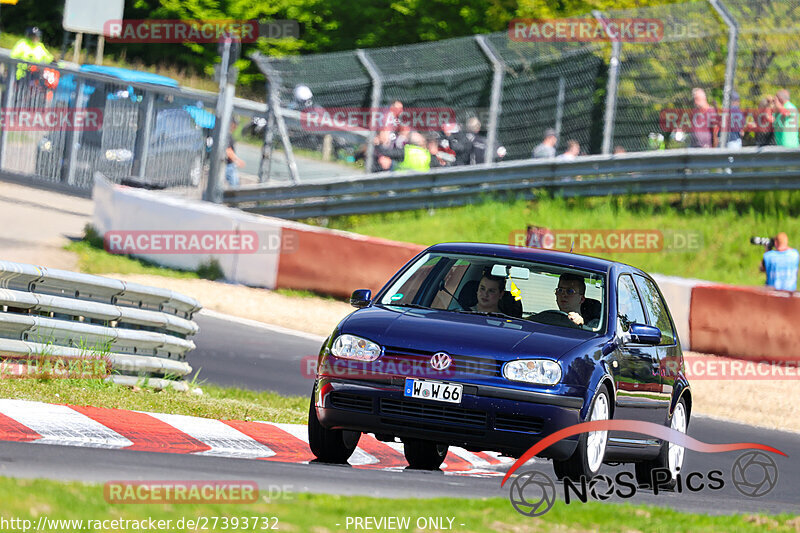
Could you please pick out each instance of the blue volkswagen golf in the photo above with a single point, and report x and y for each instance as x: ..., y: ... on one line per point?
x: 494, y: 347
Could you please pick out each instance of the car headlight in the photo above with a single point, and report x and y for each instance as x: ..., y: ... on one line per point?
x: 539, y: 371
x: 352, y: 347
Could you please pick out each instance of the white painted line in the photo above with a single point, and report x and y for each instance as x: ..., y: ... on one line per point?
x: 58, y: 424
x: 224, y: 440
x: 477, y: 462
x: 256, y: 324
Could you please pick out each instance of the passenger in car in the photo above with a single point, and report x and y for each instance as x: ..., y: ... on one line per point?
x: 490, y: 290
x: 570, y: 295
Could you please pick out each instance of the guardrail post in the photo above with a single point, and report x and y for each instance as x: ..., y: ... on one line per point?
x: 273, y: 78
x: 498, y: 73
x: 377, y: 90
x: 611, y: 90
x: 8, y: 101
x: 730, y: 67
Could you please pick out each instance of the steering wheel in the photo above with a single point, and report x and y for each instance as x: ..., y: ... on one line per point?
x: 555, y: 317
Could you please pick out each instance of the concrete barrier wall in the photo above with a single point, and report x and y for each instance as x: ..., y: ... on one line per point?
x: 746, y: 322
x: 312, y: 258
x: 337, y: 262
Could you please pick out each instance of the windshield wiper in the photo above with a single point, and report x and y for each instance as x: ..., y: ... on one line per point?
x: 413, y: 306
x: 486, y: 313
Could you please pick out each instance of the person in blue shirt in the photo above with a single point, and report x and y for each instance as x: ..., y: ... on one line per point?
x: 781, y: 264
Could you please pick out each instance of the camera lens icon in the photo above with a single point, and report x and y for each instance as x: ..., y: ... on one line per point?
x: 532, y: 493
x: 754, y: 474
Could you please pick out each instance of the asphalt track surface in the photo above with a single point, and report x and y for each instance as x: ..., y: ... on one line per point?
x: 246, y: 355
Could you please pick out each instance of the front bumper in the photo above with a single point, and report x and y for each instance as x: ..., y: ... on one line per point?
x: 488, y: 418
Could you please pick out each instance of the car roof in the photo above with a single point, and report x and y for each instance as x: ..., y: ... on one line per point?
x: 539, y: 255
x: 133, y: 76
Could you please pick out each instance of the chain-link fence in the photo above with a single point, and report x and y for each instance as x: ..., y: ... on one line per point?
x: 606, y: 96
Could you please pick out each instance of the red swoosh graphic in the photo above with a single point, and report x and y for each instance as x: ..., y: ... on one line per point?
x: 634, y: 426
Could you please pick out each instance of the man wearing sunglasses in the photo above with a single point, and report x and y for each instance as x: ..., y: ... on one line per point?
x: 570, y: 295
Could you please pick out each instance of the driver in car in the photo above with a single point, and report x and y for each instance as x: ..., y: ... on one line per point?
x: 570, y: 295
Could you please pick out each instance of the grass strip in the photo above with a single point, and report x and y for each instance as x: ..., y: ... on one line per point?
x: 301, y: 512
x: 224, y: 403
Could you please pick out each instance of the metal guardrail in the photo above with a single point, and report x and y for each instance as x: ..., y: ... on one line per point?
x: 688, y: 170
x: 142, y: 331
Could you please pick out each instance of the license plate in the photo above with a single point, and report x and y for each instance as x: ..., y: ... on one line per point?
x: 433, y: 390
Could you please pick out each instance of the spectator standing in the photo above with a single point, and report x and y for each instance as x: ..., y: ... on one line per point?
x: 233, y: 162
x: 786, y: 121
x: 416, y: 156
x: 572, y: 152
x: 781, y: 265
x: 438, y: 158
x: 703, y: 134
x: 458, y: 142
x: 763, y: 127
x: 385, y: 154
x: 478, y: 141
x: 735, y: 123
x: 547, y: 148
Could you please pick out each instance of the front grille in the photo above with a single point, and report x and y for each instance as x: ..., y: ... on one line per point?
x: 433, y: 413
x: 351, y: 402
x: 463, y: 365
x: 528, y: 424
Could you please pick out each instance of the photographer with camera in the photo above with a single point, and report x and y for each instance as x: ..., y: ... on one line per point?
x: 780, y: 262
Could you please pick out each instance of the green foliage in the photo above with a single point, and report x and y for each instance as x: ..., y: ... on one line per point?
x: 325, y: 25
x: 211, y: 269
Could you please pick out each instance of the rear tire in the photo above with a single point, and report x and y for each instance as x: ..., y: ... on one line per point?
x: 587, y: 458
x: 424, y: 454
x: 671, y: 455
x: 330, y: 445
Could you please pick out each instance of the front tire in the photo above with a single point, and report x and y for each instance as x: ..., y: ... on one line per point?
x: 671, y: 455
x: 588, y: 456
x: 424, y: 454
x: 330, y: 445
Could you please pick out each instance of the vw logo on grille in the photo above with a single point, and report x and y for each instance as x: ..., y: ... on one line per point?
x: 441, y: 361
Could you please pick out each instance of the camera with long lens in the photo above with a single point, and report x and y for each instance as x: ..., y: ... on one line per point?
x: 767, y: 242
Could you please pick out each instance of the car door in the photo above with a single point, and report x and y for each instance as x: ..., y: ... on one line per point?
x: 637, y: 367
x: 668, y: 351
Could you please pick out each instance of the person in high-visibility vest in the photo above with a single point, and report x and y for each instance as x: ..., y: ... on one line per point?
x: 416, y: 156
x: 30, y: 49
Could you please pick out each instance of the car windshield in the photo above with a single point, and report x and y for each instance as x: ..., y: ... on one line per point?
x: 515, y: 289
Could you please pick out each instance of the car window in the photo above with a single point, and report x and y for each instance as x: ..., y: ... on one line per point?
x: 451, y: 282
x: 629, y: 306
x: 657, y: 310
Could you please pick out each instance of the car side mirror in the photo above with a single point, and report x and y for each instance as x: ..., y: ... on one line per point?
x: 363, y: 297
x: 643, y: 334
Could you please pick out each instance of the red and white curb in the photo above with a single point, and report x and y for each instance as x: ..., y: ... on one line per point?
x: 94, y: 427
